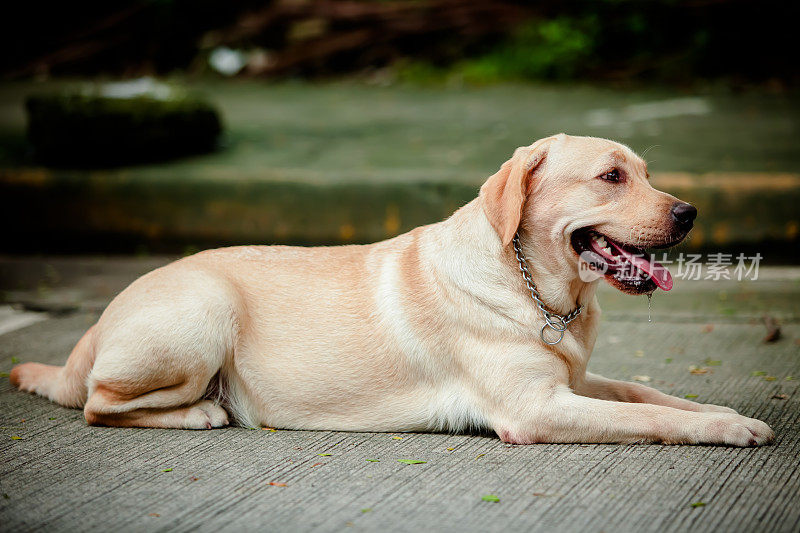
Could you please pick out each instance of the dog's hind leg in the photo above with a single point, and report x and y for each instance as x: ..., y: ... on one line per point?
x: 156, y: 357
x: 172, y: 406
x: 161, y: 382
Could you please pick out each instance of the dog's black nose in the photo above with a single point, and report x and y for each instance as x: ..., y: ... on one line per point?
x: 684, y: 214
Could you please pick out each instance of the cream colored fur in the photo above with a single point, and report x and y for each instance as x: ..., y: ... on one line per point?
x: 432, y: 330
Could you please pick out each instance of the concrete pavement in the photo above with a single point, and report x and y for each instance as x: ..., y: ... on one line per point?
x: 705, y: 342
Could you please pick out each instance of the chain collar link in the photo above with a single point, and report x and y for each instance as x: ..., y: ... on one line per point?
x: 554, y: 321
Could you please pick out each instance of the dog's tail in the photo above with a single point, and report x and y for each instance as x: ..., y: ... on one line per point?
x: 65, y: 385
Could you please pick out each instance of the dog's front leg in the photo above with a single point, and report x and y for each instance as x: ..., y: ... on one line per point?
x: 559, y: 415
x: 595, y: 386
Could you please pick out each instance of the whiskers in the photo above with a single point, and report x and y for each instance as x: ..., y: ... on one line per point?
x: 648, y: 149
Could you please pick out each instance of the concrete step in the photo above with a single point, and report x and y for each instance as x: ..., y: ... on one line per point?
x: 125, y: 210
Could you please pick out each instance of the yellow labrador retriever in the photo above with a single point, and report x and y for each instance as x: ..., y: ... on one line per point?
x: 480, y: 321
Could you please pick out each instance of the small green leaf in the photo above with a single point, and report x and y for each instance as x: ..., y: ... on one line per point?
x: 167, y: 470
x: 789, y: 378
x: 374, y: 460
x: 14, y: 360
x: 4, y: 374
x: 324, y: 454
x: 366, y: 510
x: 52, y: 418
x: 490, y: 498
x: 15, y: 437
x: 770, y: 378
x: 411, y: 461
x: 698, y: 504
x: 668, y: 360
x: 756, y: 373
x: 712, y: 362
x: 690, y: 396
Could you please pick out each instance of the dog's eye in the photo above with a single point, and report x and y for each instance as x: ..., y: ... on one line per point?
x: 612, y: 176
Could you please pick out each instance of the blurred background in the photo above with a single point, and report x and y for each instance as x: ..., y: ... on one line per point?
x: 169, y: 126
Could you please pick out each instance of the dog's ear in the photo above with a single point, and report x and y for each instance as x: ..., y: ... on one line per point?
x: 504, y: 194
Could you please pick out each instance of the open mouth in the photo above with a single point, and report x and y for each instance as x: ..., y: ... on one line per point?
x: 629, y: 268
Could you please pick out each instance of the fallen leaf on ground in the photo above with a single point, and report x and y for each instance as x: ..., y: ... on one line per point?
x: 479, y: 455
x: 52, y: 418
x: 712, y: 362
x: 756, y: 373
x: 773, y: 329
x: 789, y: 378
x: 698, y: 504
x: 315, y: 464
x: 708, y: 328
x: 4, y: 374
x: 324, y: 454
x: 14, y: 360
x: 193, y: 478
x: 276, y: 484
x: 694, y: 369
x: 490, y: 498
x: 411, y: 461
x: 643, y: 379
x: 167, y: 470
x: 690, y: 396
x: 780, y: 396
x: 366, y: 510
x: 639, y: 353
x: 15, y: 437
x: 374, y: 460
x: 397, y: 438
x: 668, y: 360
x: 770, y: 378
x: 156, y: 515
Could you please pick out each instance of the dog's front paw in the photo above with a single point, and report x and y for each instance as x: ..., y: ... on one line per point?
x: 737, y: 430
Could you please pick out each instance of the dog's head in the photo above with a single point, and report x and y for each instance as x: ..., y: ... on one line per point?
x: 588, y: 198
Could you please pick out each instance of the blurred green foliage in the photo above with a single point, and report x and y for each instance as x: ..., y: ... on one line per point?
x: 539, y: 49
x: 551, y: 49
x: 674, y: 41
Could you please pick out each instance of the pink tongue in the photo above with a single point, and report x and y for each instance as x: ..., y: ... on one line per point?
x: 657, y: 272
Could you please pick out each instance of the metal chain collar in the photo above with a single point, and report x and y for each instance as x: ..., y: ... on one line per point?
x: 554, y: 321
